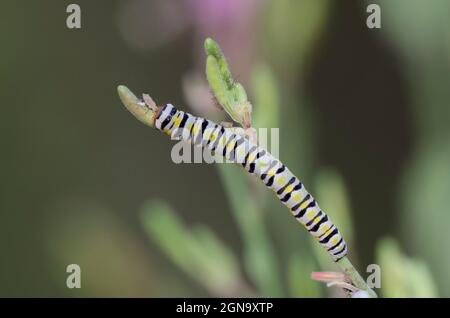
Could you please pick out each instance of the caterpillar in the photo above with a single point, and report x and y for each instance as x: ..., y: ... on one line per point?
x: 259, y: 162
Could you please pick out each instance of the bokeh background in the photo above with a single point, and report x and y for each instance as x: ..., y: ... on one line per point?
x: 363, y: 117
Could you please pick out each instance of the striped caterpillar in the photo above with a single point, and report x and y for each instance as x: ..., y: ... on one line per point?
x: 256, y: 160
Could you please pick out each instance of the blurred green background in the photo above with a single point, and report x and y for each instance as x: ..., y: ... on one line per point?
x: 363, y: 117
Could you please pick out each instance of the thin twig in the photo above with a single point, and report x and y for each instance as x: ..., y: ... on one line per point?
x: 356, y: 279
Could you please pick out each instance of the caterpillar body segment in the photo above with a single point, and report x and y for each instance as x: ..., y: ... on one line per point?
x: 258, y: 161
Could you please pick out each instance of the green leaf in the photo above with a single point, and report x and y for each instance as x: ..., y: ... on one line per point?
x: 402, y: 276
x: 198, y: 252
x: 216, y: 82
x: 260, y: 260
x: 230, y: 94
x: 299, y: 271
x: 213, y: 50
x: 267, y: 98
x: 333, y: 198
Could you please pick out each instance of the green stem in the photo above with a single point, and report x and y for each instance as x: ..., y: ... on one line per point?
x: 138, y: 108
x: 356, y: 279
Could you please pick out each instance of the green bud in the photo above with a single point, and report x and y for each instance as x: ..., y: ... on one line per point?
x: 229, y: 94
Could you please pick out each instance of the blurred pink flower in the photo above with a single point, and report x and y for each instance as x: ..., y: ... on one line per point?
x: 232, y: 23
x: 214, y: 14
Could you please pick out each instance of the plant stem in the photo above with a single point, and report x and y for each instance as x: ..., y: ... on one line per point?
x: 356, y: 279
x: 135, y: 106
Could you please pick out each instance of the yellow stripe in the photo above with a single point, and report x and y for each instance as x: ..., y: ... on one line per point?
x: 223, y: 140
x: 281, y: 181
x: 297, y: 197
x: 325, y: 228
x: 289, y: 188
x: 305, y: 204
x: 196, y: 128
x: 328, y: 232
x: 272, y: 171
x: 310, y: 214
x: 178, y: 121
x: 252, y: 157
x: 231, y: 144
x: 316, y: 220
x: 335, y: 240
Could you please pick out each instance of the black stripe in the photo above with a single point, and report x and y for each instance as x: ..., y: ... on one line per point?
x: 272, y: 164
x: 199, y: 138
x: 161, y: 112
x: 222, y: 131
x: 327, y: 238
x: 331, y: 227
x: 295, y: 207
x: 212, y: 134
x: 224, y: 152
x: 286, y: 197
x: 233, y: 152
x: 240, y: 141
x: 191, y: 136
x: 183, y: 121
x: 336, y: 245
x: 281, y: 169
x: 291, y: 181
x: 270, y: 181
x: 245, y: 159
x: 302, y: 211
x: 310, y: 205
x: 205, y: 140
x: 204, y: 125
x: 248, y: 154
x: 313, y: 218
x: 254, y: 149
x: 261, y: 154
x: 341, y: 250
x: 171, y: 126
x: 316, y: 227
x: 168, y: 119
